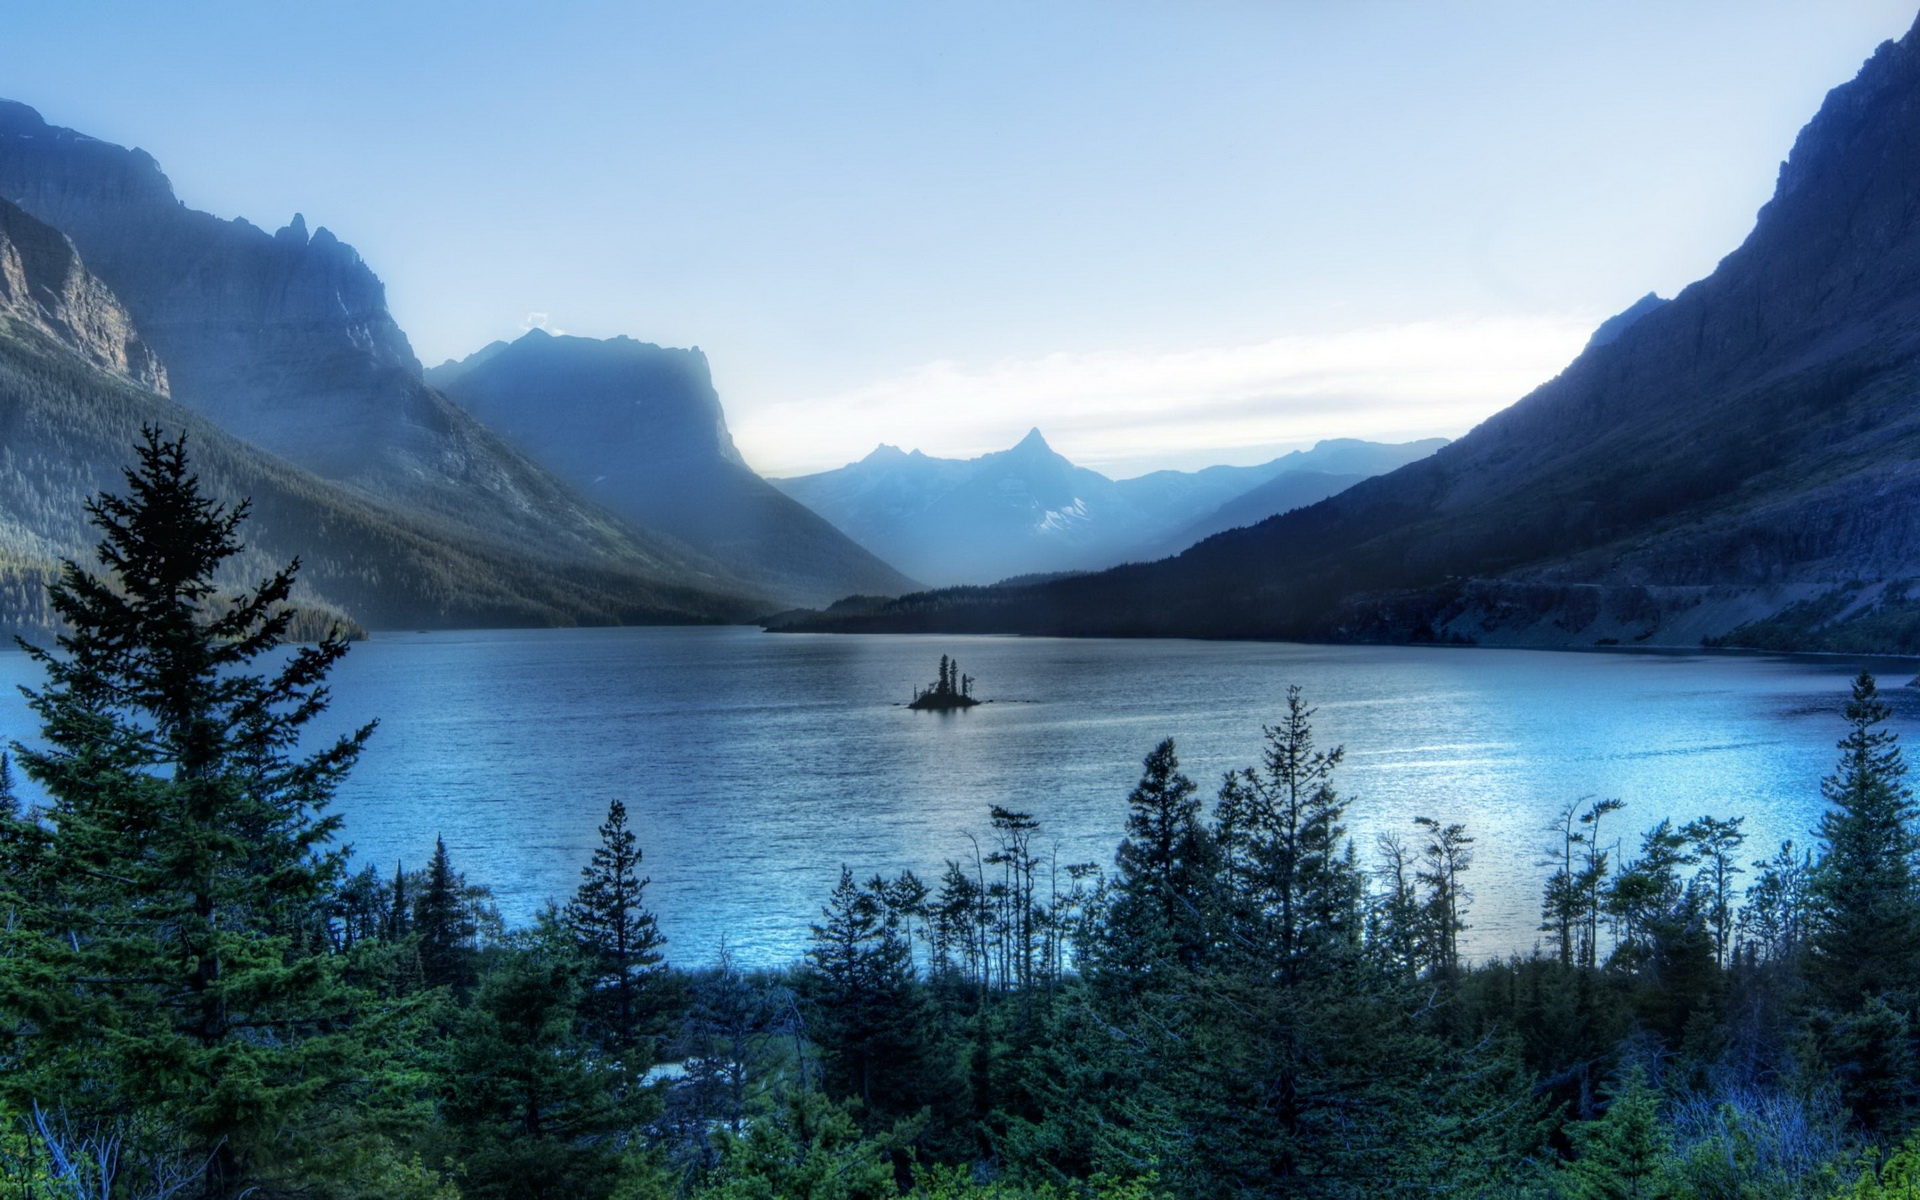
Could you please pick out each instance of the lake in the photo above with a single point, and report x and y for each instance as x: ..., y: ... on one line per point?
x: 753, y: 765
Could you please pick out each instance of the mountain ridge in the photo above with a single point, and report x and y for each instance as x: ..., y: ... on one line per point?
x: 68, y: 423
x: 285, y: 340
x: 1740, y: 465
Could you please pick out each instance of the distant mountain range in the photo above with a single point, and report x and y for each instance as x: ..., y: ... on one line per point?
x: 639, y: 429
x: 1029, y: 510
x: 1740, y: 464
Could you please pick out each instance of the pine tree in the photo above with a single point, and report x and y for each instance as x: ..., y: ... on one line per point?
x: 1296, y: 890
x: 1715, y: 842
x: 178, y: 967
x: 1156, y: 911
x: 618, y: 936
x: 1626, y: 1155
x: 536, y: 1111
x: 443, y: 922
x: 869, y: 1015
x: 398, y: 924
x: 1773, y: 922
x: 1560, y: 905
x: 1866, y: 926
x: 1446, y: 856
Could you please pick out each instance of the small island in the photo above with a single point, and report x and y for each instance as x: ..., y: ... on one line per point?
x: 952, y: 690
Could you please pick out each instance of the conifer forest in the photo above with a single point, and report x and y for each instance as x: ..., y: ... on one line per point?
x: 202, y: 997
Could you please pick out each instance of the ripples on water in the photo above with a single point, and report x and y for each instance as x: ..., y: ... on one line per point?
x: 754, y: 765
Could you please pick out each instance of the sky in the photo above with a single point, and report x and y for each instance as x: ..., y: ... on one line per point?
x: 1167, y: 234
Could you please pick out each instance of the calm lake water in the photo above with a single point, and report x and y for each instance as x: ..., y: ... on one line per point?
x: 753, y: 765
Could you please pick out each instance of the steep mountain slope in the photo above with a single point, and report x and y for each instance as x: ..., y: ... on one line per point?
x: 285, y: 340
x: 639, y: 429
x: 1301, y: 478
x: 1283, y: 493
x: 1029, y: 510
x: 1742, y: 462
x: 75, y: 389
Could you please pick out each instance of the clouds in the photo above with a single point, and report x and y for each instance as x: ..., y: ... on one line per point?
x: 1125, y: 411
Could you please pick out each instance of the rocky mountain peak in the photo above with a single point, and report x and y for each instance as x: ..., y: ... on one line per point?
x: 330, y: 382
x: 1609, y: 330
x: 17, y: 119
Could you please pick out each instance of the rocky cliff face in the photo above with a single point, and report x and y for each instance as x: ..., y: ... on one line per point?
x: 639, y: 428
x: 43, y: 286
x: 1736, y: 464
x: 284, y: 338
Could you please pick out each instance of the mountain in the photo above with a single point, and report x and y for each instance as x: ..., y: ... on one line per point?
x: 1028, y: 510
x: 76, y: 387
x: 1301, y: 478
x: 1740, y: 464
x: 285, y: 340
x: 1283, y: 493
x: 1609, y: 330
x: 639, y: 428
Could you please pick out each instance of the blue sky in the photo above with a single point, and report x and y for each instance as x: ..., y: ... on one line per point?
x: 1166, y: 233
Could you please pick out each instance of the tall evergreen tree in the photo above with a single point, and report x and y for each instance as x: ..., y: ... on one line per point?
x: 1285, y: 853
x: 1715, y: 842
x: 1446, y: 856
x: 869, y: 1014
x: 1773, y: 922
x: 398, y: 922
x: 188, y: 867
x: 443, y: 922
x: 1866, y: 892
x: 618, y: 936
x: 1157, y: 908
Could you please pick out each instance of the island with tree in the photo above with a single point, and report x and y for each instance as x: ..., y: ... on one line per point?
x: 952, y: 690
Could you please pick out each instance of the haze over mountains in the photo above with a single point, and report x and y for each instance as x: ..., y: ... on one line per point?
x: 1740, y: 463
x: 1028, y: 510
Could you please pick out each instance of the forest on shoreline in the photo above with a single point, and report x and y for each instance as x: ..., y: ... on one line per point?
x: 200, y: 998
